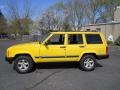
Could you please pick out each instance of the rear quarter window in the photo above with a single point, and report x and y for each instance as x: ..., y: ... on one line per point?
x: 93, y: 39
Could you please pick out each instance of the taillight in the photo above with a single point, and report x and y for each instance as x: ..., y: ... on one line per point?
x: 107, y: 50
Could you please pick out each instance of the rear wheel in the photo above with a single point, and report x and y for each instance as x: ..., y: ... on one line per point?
x: 87, y: 62
x: 23, y: 64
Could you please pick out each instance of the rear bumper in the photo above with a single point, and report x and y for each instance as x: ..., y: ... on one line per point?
x: 102, y: 56
x: 9, y: 59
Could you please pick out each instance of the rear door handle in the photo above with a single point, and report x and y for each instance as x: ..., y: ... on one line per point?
x: 62, y: 46
x: 81, y: 46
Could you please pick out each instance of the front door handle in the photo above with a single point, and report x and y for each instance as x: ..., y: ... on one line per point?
x: 62, y: 46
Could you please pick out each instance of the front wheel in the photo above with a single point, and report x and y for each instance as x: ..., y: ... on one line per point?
x: 23, y: 64
x: 87, y: 63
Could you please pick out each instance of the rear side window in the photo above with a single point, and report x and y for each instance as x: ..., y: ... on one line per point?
x: 93, y: 39
x: 75, y: 39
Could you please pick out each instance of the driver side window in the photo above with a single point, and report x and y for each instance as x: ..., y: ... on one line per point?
x: 56, y: 39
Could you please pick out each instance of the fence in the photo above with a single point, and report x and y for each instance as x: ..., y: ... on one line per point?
x: 30, y: 38
x: 3, y: 36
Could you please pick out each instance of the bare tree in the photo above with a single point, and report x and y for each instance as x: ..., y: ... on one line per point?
x: 51, y: 19
x: 59, y: 15
x: 70, y: 15
x: 93, y: 10
x: 19, y: 19
x: 13, y: 9
x: 64, y: 16
x: 75, y: 11
x: 3, y: 24
x: 110, y: 7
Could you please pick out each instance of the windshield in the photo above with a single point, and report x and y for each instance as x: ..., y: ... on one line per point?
x: 43, y: 37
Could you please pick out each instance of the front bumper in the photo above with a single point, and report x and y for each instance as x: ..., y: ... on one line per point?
x: 9, y: 59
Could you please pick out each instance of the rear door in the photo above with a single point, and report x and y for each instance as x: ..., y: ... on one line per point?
x: 75, y: 46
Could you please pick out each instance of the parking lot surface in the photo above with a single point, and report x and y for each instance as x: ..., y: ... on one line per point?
x: 61, y: 76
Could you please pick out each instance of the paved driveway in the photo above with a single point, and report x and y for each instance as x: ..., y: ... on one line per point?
x: 61, y: 76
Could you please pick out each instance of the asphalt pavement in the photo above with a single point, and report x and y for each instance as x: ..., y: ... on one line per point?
x: 62, y: 76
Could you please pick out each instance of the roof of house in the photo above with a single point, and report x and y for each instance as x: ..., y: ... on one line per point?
x: 98, y: 24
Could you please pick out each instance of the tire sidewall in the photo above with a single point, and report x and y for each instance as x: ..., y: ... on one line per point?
x: 82, y: 62
x: 29, y: 60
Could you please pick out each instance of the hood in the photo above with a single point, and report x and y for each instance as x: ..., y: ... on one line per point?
x: 30, y: 43
x: 21, y: 45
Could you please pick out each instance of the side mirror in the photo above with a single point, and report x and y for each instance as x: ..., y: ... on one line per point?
x: 39, y: 42
x: 46, y: 43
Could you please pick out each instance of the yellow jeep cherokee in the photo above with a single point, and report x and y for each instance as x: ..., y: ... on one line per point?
x: 82, y: 47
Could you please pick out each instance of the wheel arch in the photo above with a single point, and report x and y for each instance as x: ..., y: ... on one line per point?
x: 23, y: 54
x: 91, y: 53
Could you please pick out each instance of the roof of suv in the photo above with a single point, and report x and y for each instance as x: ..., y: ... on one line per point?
x: 76, y: 32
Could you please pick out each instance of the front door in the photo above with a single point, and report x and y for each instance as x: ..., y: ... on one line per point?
x: 54, y: 49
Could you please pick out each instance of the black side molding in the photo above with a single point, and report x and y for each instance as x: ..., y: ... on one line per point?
x: 56, y: 56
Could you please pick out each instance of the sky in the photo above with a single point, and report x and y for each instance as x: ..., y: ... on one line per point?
x: 38, y: 6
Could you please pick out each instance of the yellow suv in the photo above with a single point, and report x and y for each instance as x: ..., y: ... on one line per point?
x: 82, y: 47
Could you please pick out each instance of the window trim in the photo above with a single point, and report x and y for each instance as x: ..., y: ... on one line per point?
x: 55, y: 44
x: 93, y: 43
x: 75, y: 34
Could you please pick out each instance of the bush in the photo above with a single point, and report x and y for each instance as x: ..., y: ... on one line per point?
x: 117, y: 41
x: 109, y: 42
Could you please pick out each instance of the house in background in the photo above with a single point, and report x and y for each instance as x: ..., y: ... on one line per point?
x: 109, y: 29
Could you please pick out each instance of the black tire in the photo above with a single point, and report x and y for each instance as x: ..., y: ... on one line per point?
x: 88, y: 63
x: 23, y: 64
